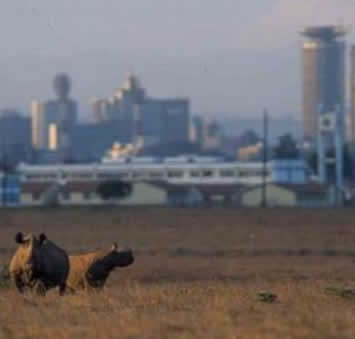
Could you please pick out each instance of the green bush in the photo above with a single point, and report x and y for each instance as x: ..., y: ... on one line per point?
x: 347, y: 293
x: 267, y: 297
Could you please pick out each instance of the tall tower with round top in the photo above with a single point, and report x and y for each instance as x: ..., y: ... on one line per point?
x: 324, y: 100
x: 62, y: 86
x: 323, y: 73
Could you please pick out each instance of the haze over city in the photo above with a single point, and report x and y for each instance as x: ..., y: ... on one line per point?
x: 177, y: 168
x: 230, y: 58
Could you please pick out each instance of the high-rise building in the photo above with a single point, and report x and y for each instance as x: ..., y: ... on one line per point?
x: 176, y: 120
x: 122, y: 109
x: 15, y: 143
x: 37, y: 125
x: 166, y: 120
x: 135, y: 114
x: 100, y: 110
x: 61, y: 112
x: 323, y: 74
x: 208, y: 132
x: 53, y: 137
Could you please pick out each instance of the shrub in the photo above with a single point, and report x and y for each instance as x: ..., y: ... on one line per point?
x: 114, y: 190
x: 347, y: 293
x: 267, y: 297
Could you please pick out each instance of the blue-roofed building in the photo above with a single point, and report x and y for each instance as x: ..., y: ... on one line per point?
x: 10, y: 189
x: 290, y: 171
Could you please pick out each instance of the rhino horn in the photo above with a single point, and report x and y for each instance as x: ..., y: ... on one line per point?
x: 114, y: 246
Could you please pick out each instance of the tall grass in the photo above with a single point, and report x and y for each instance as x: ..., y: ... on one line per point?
x: 197, y: 274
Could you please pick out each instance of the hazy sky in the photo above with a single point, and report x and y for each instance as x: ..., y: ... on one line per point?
x: 229, y: 56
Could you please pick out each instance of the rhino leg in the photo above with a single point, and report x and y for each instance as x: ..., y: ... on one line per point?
x: 40, y: 289
x: 19, y: 284
x: 70, y: 290
x: 62, y: 289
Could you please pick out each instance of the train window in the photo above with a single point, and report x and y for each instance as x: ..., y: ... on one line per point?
x: 122, y: 175
x: 227, y: 173
x: 207, y: 173
x: 175, y: 174
x: 195, y: 174
x: 82, y: 175
x: 156, y: 174
x: 137, y: 175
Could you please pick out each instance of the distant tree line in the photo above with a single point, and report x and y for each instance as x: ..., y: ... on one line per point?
x: 348, y: 168
x: 287, y: 149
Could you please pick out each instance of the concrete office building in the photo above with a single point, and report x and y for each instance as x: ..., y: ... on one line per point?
x: 165, y: 120
x: 137, y: 115
x: 37, y: 125
x: 100, y: 110
x: 58, y: 115
x: 15, y: 140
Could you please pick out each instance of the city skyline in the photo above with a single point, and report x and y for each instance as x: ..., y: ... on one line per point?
x: 225, y: 64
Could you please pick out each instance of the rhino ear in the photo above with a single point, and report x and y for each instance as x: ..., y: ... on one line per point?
x: 42, y: 238
x: 114, y: 246
x: 19, y: 238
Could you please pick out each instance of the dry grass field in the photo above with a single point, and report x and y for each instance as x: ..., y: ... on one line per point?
x: 197, y: 274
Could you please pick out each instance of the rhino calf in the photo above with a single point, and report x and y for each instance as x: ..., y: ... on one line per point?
x: 38, y: 264
x: 91, y: 270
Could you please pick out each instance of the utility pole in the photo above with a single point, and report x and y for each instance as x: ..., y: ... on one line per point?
x: 264, y: 174
x: 4, y: 179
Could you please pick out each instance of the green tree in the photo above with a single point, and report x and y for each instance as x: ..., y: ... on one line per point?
x: 287, y: 148
x: 114, y: 190
x: 347, y: 161
x: 312, y: 160
x: 248, y: 138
